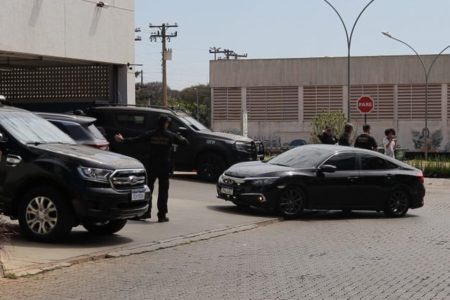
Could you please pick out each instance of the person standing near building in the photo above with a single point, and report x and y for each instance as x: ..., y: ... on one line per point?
x: 389, y: 142
x: 345, y: 138
x: 365, y: 140
x: 159, y: 165
x: 327, y: 137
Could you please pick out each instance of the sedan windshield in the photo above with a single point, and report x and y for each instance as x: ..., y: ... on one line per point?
x: 31, y: 129
x: 302, y: 157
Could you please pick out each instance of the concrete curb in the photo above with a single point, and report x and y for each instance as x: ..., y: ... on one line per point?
x: 137, y: 249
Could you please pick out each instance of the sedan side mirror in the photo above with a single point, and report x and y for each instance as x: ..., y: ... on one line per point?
x: 327, y: 169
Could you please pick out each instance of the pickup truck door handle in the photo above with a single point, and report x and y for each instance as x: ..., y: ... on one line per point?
x: 13, y: 160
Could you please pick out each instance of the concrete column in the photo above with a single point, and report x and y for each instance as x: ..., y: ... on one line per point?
x: 300, y: 105
x: 395, y: 120
x: 212, y: 108
x: 126, y: 92
x: 345, y: 100
x: 444, y: 116
x: 244, y: 113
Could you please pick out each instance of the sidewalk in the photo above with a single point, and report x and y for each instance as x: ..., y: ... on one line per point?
x: 196, y: 215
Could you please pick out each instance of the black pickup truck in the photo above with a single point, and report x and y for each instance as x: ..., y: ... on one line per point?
x: 51, y: 184
x: 209, y: 153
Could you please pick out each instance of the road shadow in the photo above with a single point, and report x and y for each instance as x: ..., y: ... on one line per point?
x: 307, y: 215
x: 331, y: 215
x: 77, y: 239
x: 250, y: 211
x: 191, y: 177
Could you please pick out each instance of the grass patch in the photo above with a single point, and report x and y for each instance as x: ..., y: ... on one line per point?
x: 434, y: 168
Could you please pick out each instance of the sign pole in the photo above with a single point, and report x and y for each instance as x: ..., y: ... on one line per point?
x: 365, y: 119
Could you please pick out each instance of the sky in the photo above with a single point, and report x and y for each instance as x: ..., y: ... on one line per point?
x: 283, y: 29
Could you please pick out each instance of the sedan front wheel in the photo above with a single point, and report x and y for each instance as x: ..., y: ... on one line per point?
x: 292, y: 202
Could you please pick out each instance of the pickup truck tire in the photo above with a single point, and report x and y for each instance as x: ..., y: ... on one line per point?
x: 44, y: 215
x: 210, y: 166
x: 105, y: 227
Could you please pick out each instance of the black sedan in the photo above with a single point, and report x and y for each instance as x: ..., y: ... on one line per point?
x: 325, y: 177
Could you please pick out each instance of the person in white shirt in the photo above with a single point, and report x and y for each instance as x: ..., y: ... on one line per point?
x: 389, y: 142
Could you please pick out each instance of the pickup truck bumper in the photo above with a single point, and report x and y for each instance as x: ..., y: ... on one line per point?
x: 109, y: 204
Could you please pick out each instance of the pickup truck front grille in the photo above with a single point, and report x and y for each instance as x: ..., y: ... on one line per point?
x: 128, y: 179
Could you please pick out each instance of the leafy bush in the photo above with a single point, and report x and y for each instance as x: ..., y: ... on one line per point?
x: 335, y: 119
x: 436, y: 167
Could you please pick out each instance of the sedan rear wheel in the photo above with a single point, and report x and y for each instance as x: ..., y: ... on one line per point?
x: 292, y: 202
x: 398, y: 204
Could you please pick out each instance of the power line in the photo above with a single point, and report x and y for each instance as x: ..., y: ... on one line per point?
x: 166, y: 53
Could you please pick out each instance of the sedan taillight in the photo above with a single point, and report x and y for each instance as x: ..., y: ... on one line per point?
x: 421, y: 178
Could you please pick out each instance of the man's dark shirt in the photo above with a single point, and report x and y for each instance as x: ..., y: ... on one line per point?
x: 365, y: 141
x: 344, y: 140
x: 327, y: 139
x: 161, y: 141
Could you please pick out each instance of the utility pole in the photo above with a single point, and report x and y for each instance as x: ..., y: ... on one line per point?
x: 215, y: 51
x: 166, y: 53
x: 227, y: 52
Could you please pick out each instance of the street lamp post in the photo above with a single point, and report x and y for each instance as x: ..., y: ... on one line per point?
x: 427, y: 72
x: 349, y: 37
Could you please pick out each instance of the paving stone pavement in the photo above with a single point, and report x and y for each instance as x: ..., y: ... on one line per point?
x: 319, y: 256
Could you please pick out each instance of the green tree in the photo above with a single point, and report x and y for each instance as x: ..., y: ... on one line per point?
x: 336, y: 120
x: 187, y: 101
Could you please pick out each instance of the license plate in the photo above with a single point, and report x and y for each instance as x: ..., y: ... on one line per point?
x: 227, y: 191
x: 137, y: 196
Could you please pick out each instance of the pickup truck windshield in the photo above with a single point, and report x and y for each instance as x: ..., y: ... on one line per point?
x: 193, y: 123
x: 31, y: 129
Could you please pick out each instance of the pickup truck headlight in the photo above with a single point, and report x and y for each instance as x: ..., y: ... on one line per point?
x: 241, y: 146
x: 262, y: 181
x: 93, y: 174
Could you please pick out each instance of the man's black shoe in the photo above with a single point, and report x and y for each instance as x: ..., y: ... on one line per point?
x: 163, y: 219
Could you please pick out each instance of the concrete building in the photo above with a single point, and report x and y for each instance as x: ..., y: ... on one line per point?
x: 66, y: 51
x: 282, y: 96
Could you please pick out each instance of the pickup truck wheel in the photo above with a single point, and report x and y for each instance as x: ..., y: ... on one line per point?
x: 105, y: 227
x: 44, y: 215
x: 210, y: 166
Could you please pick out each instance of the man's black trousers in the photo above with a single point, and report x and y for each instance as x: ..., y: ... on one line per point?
x: 160, y: 171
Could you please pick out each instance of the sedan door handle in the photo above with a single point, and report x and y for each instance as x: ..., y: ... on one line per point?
x: 353, y: 178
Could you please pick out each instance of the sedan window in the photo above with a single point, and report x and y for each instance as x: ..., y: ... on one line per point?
x: 343, y: 162
x: 372, y: 162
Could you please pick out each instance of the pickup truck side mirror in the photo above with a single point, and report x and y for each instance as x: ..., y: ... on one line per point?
x: 327, y: 169
x: 3, y: 139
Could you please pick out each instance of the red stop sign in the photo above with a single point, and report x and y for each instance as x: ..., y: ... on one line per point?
x: 365, y: 104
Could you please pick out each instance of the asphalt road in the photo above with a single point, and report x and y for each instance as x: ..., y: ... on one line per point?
x: 323, y: 255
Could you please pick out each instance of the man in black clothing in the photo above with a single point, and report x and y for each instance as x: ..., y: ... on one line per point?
x: 344, y: 139
x: 327, y: 136
x: 365, y: 140
x: 159, y: 165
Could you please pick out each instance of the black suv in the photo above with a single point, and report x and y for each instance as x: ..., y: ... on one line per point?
x: 51, y: 184
x: 80, y: 128
x: 209, y: 153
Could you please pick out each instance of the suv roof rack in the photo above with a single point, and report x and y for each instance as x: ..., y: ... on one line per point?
x: 172, y: 109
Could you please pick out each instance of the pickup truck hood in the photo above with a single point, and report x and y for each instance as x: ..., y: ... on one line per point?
x: 88, y: 156
x: 227, y: 136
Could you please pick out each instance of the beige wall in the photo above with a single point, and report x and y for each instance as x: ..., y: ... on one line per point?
x: 72, y: 29
x: 325, y: 71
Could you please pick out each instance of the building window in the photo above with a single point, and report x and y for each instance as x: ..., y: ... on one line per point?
x: 383, y: 97
x: 227, y: 104
x: 320, y: 99
x: 411, y: 102
x: 272, y: 103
